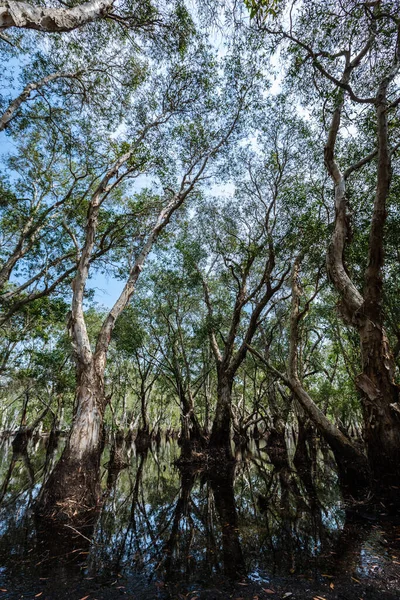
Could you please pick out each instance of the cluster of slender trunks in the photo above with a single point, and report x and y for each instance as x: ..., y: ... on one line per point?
x: 73, y: 487
x: 72, y: 491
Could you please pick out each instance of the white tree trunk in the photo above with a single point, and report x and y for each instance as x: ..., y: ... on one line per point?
x: 24, y: 15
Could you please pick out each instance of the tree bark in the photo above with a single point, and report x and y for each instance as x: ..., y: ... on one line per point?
x: 26, y: 16
x: 73, y: 488
x: 379, y: 392
x: 220, y: 439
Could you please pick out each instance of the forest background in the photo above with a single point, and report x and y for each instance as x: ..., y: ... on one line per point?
x: 235, y: 169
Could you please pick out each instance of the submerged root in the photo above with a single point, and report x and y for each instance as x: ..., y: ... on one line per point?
x: 72, y: 493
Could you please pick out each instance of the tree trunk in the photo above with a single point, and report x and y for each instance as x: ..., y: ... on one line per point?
x: 143, y: 438
x: 72, y: 491
x: 220, y: 440
x: 28, y: 16
x: 143, y: 411
x: 379, y: 392
x: 379, y: 395
x: 351, y: 462
x: 192, y: 440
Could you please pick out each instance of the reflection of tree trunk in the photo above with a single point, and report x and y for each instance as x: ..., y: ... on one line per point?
x: 302, y: 459
x: 173, y: 557
x: 119, y: 553
x: 117, y: 460
x: 349, y: 546
x: 224, y: 497
x: 276, y: 440
x: 142, y: 440
x: 304, y: 462
x: 211, y: 545
x: 276, y: 444
x: 136, y: 487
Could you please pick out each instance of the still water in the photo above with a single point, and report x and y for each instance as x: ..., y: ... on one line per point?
x: 252, y: 531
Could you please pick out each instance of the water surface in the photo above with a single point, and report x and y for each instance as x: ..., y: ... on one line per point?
x: 251, y: 531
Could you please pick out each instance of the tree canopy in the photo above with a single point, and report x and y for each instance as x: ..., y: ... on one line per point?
x: 232, y: 169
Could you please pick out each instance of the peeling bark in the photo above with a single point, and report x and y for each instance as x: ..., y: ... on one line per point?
x: 379, y: 392
x: 26, y: 16
x: 72, y: 491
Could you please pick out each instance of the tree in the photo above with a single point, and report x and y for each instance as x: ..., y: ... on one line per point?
x: 354, y: 63
x: 250, y: 247
x: 352, y: 464
x: 132, y: 15
x: 75, y: 479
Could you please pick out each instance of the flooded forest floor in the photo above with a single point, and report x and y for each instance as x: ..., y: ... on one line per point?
x: 255, y: 531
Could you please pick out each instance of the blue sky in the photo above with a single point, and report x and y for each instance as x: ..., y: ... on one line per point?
x: 106, y: 289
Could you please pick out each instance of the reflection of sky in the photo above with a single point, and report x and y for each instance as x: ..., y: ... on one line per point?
x: 287, y: 539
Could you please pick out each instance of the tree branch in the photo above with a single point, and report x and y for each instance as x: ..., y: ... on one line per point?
x: 48, y: 20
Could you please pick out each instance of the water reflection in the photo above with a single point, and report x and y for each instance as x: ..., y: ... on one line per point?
x: 165, y: 532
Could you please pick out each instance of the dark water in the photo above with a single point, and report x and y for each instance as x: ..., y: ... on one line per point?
x: 253, y: 531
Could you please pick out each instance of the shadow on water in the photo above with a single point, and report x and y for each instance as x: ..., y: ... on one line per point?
x: 255, y: 529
